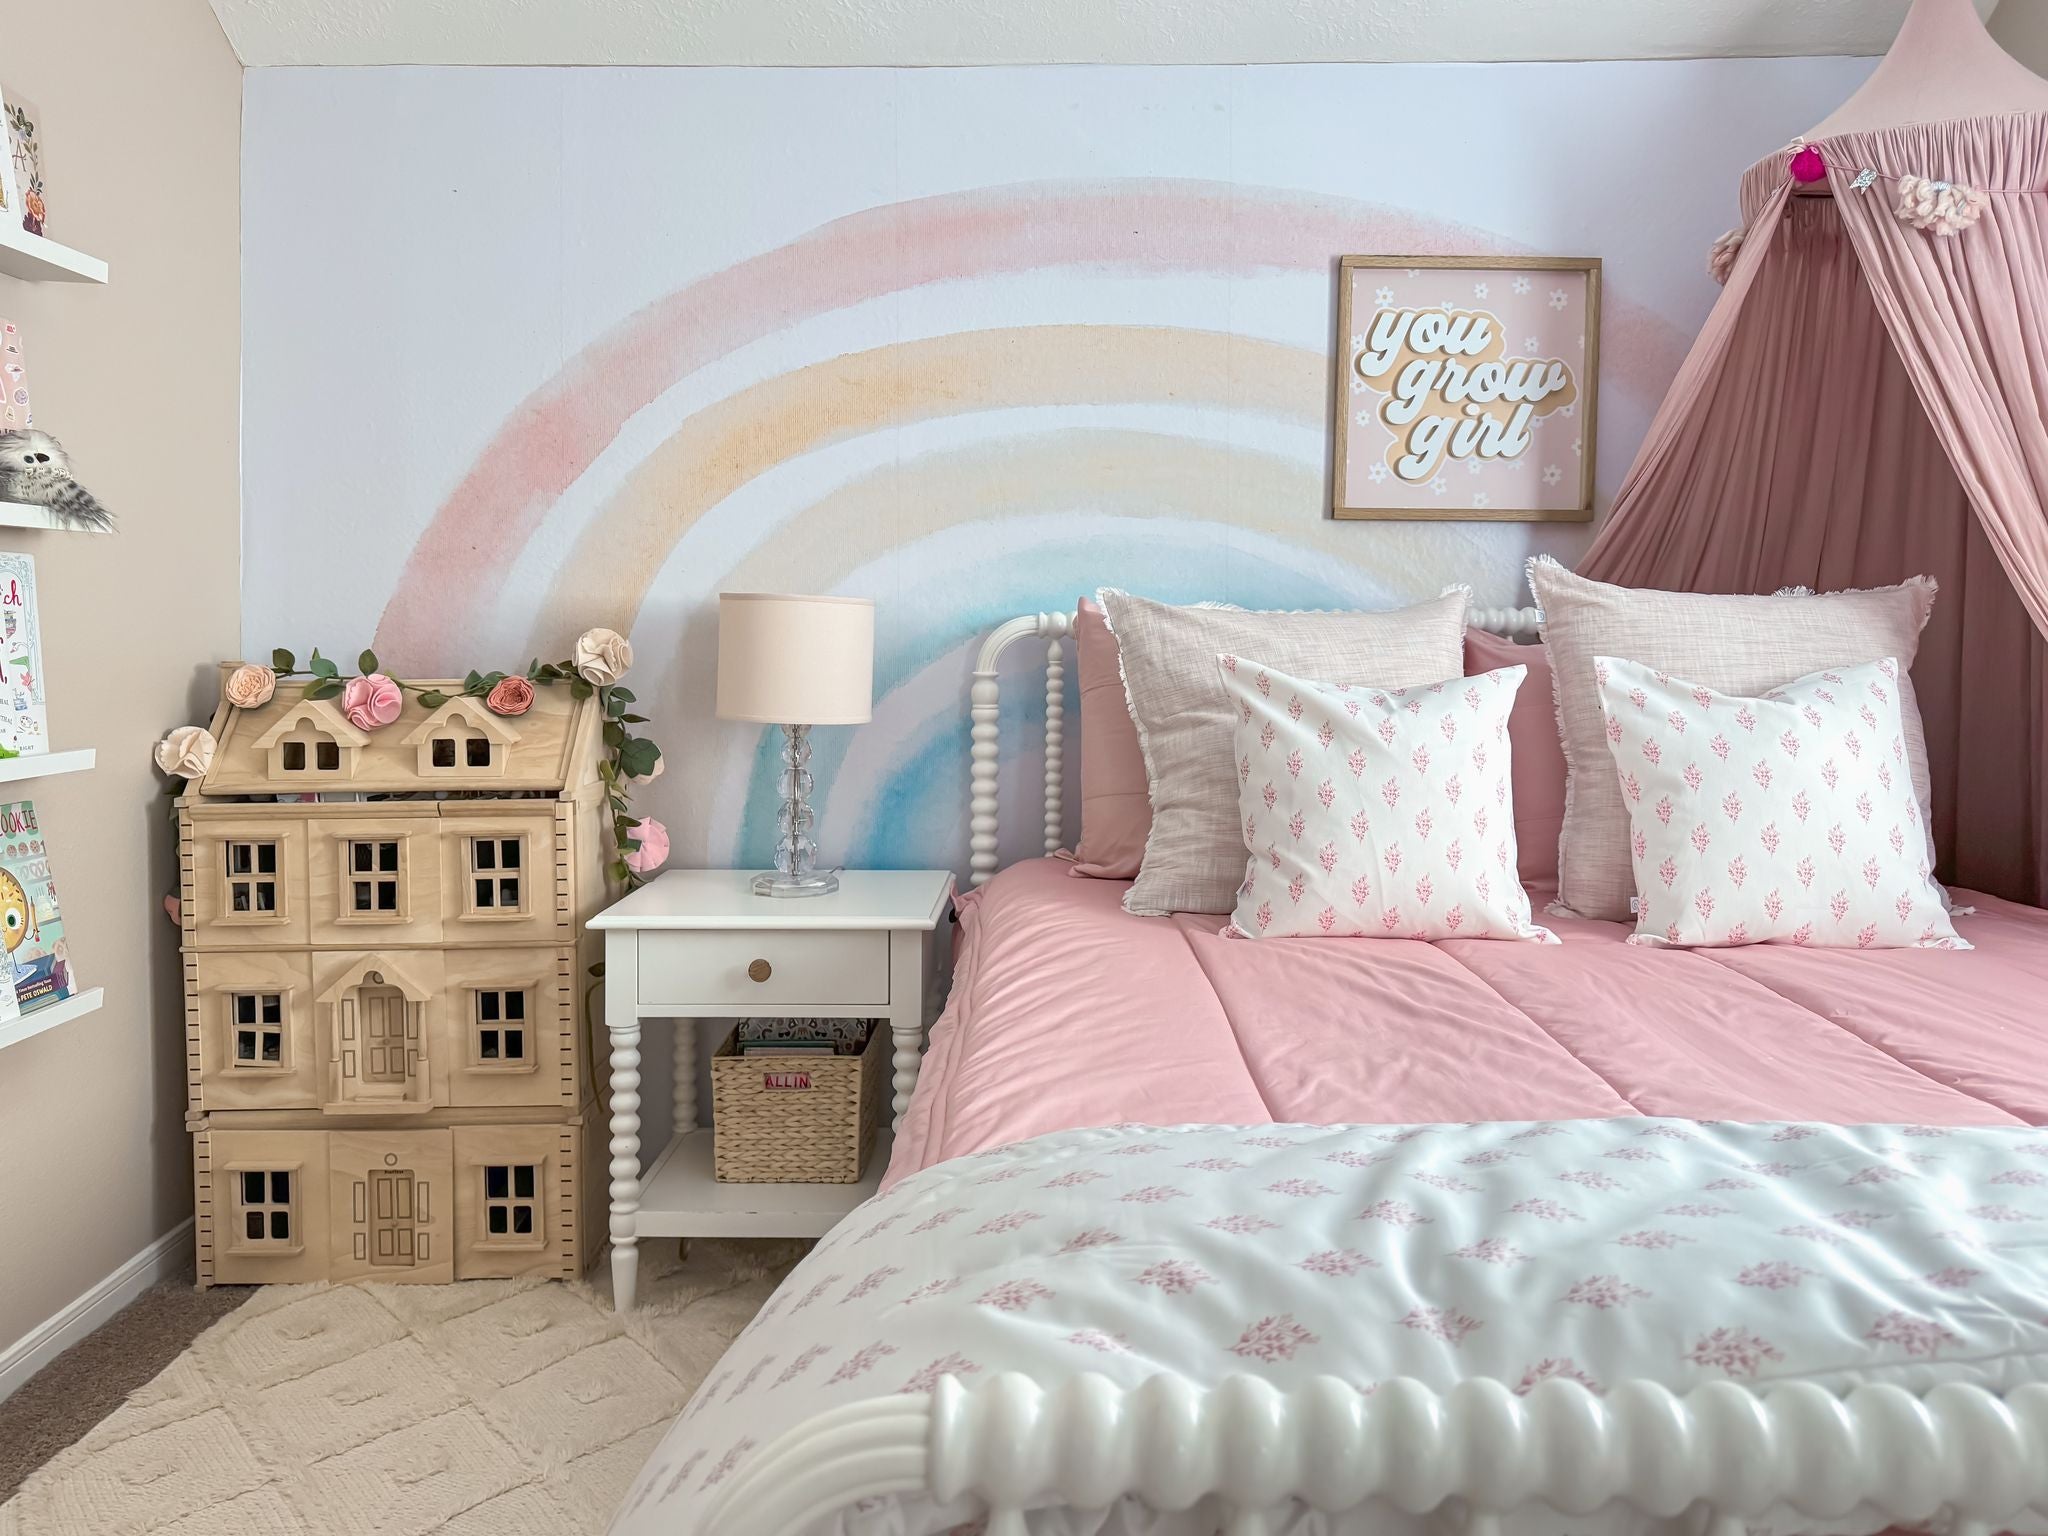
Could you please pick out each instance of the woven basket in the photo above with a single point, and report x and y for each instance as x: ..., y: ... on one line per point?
x: 796, y: 1119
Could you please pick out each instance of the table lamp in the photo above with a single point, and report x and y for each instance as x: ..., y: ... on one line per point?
x: 795, y: 662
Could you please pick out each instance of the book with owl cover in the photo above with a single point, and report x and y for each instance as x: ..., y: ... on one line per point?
x: 24, y: 719
x: 34, y: 958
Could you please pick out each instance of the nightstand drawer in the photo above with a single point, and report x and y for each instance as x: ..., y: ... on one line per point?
x: 782, y: 968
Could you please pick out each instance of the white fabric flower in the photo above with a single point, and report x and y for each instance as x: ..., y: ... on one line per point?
x: 603, y: 656
x: 187, y: 752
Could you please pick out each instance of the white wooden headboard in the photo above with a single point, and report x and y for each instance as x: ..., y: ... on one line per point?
x: 984, y: 697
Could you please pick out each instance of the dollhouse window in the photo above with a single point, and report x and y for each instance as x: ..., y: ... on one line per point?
x: 263, y: 1207
x: 326, y: 756
x: 259, y: 1030
x: 252, y: 879
x: 501, y: 1028
x: 372, y: 889
x: 511, y: 1202
x: 495, y: 874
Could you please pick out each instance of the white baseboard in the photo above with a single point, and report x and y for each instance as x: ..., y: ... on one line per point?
x: 169, y: 1255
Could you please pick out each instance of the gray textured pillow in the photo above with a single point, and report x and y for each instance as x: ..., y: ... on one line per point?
x: 1735, y: 644
x: 1194, y: 854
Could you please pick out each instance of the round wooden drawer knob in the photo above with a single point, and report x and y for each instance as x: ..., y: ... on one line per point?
x: 760, y: 970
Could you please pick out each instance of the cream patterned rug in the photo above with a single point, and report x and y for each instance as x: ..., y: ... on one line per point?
x: 490, y: 1408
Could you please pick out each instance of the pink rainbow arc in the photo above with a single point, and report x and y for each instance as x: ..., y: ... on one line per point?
x: 551, y: 439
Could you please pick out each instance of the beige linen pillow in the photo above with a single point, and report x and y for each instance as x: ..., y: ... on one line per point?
x: 1194, y: 854
x: 1734, y: 645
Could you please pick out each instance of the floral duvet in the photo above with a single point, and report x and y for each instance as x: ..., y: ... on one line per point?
x: 1597, y: 1250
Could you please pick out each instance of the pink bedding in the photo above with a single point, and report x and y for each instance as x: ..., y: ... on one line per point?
x: 1067, y: 1011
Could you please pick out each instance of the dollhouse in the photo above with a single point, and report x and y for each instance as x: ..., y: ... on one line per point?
x: 385, y: 971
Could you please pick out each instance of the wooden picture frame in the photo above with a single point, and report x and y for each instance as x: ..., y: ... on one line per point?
x: 1532, y: 321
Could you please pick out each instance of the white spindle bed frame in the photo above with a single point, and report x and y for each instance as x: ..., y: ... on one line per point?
x: 1719, y: 1456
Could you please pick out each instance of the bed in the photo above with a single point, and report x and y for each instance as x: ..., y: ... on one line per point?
x: 1186, y: 1233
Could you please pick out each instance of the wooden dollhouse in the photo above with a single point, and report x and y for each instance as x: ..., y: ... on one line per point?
x: 385, y: 979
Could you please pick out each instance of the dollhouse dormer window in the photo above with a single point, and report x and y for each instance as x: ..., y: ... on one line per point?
x: 311, y: 741
x: 462, y: 738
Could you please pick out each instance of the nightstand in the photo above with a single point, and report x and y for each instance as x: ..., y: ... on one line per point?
x: 699, y: 944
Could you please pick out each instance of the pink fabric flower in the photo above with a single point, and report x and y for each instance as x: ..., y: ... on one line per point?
x: 653, y: 850
x: 371, y: 702
x: 512, y: 696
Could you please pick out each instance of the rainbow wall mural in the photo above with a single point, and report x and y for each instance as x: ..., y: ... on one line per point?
x: 530, y: 350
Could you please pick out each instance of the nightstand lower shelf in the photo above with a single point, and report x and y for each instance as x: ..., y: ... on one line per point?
x: 680, y: 1198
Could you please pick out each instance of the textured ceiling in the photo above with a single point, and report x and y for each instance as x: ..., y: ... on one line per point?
x: 267, y: 32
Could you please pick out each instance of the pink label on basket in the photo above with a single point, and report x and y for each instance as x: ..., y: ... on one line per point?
x: 785, y: 1079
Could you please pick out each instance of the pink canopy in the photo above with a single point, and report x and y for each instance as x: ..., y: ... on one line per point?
x: 1869, y: 399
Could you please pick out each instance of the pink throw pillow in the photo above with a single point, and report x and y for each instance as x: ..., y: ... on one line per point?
x: 1539, y: 771
x: 1116, y: 802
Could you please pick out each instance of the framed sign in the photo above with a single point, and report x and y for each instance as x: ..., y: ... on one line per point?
x: 1466, y: 387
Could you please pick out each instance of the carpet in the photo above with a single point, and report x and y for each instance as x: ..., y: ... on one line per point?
x: 63, y: 1400
x: 489, y: 1408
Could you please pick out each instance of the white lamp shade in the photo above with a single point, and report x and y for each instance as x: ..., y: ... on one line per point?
x: 785, y: 660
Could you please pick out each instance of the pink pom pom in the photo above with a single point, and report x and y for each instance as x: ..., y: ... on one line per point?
x: 1808, y: 166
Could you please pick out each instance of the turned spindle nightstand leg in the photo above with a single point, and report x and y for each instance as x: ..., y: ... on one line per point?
x: 906, y: 1015
x: 622, y: 1023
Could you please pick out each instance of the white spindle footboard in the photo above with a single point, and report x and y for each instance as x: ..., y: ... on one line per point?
x: 1722, y: 1453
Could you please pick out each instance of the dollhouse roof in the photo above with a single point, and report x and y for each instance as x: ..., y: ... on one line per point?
x: 555, y: 746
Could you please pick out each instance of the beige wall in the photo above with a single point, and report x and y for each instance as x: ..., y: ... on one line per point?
x: 141, y: 101
x: 2021, y: 27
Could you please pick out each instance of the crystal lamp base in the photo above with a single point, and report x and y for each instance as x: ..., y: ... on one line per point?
x: 777, y: 884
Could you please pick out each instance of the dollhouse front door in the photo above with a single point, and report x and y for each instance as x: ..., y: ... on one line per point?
x: 391, y: 1217
x: 382, y: 1011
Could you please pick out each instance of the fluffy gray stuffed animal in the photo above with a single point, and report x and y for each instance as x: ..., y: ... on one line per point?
x: 35, y: 468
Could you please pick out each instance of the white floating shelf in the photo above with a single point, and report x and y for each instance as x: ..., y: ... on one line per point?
x: 41, y: 765
x: 29, y: 1025
x: 38, y: 259
x: 19, y: 514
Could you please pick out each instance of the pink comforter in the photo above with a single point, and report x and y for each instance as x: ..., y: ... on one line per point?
x: 1067, y: 1012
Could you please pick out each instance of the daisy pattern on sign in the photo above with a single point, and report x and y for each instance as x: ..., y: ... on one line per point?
x: 1376, y: 471
x: 1383, y: 297
x: 1559, y: 298
x: 1440, y: 485
x: 1520, y: 285
x: 1532, y: 344
x: 1479, y: 290
x: 1552, y: 474
x: 1482, y: 500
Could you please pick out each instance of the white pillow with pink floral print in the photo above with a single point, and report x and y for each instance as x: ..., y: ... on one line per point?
x: 1785, y: 819
x: 1376, y: 812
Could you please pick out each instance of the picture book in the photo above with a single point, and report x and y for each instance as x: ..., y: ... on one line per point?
x: 36, y: 959
x: 24, y: 720
x: 14, y: 410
